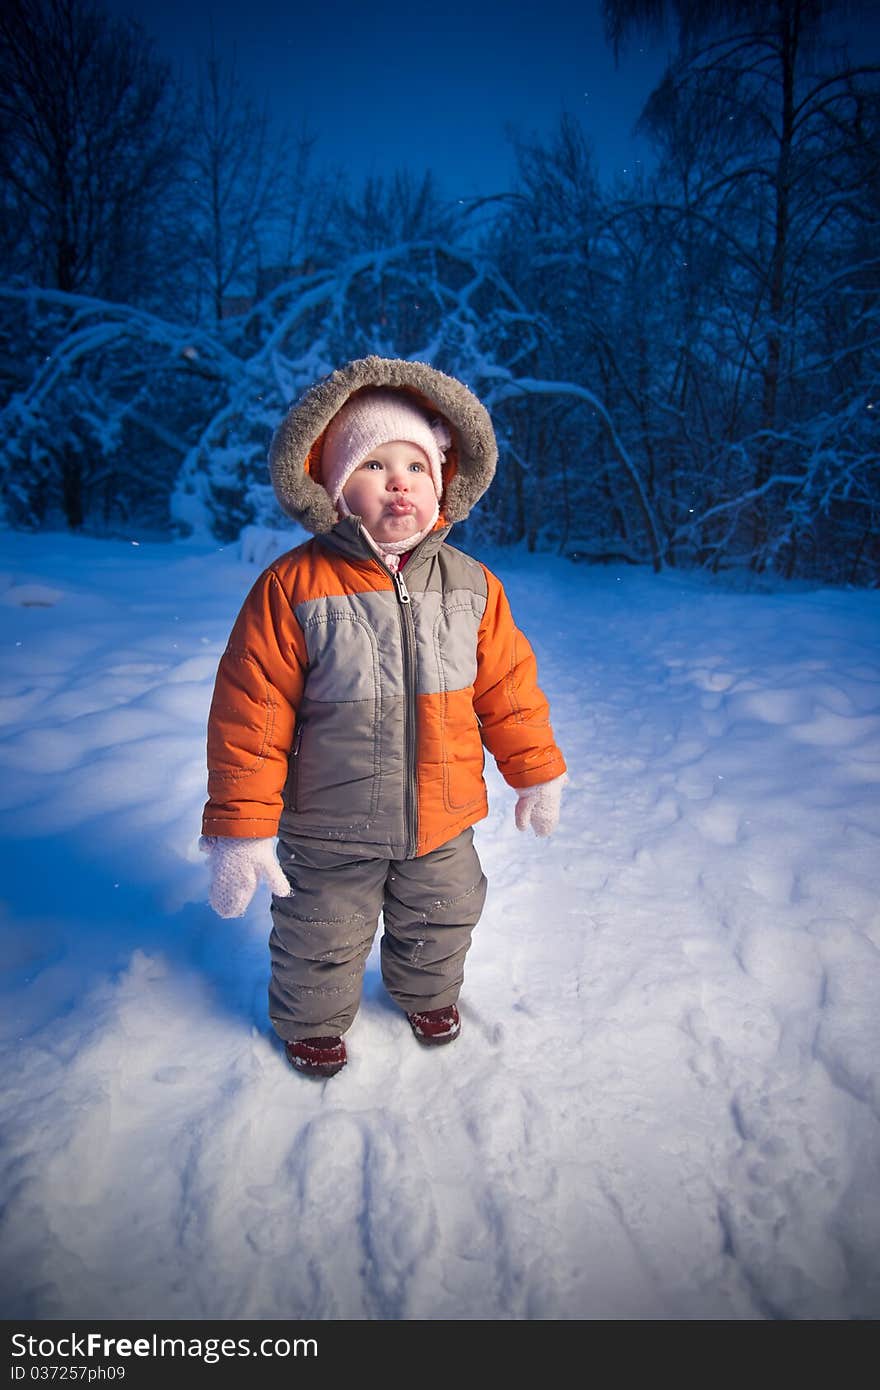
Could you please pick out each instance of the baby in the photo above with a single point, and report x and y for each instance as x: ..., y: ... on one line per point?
x: 365, y: 673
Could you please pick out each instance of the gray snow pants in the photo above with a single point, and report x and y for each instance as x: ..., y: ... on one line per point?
x: 322, y: 934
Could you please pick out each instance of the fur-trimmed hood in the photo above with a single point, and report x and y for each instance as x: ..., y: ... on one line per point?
x: 295, y: 451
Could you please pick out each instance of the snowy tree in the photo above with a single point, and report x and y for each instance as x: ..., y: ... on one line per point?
x: 89, y: 150
x: 397, y: 305
x: 766, y: 136
x: 570, y: 432
x: 101, y: 401
x: 238, y: 186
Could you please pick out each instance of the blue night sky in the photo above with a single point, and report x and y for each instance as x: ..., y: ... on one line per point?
x: 388, y: 85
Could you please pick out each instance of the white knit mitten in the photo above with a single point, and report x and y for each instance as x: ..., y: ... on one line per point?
x: 538, y: 806
x: 237, y: 869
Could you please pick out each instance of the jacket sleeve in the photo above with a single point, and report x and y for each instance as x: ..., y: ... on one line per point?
x: 513, y: 711
x: 250, y: 727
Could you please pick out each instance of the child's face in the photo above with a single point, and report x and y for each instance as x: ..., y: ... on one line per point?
x: 392, y: 491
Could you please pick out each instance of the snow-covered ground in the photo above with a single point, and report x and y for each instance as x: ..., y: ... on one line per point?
x: 665, y: 1099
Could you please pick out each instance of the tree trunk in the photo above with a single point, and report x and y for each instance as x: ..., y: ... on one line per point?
x: 72, y: 487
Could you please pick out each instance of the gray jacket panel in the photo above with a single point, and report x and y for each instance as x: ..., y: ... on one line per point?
x: 348, y: 767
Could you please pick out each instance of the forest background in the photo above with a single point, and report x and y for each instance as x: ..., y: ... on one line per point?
x: 681, y: 363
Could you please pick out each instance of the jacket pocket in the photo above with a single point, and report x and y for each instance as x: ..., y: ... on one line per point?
x: 334, y: 769
x: 334, y: 776
x: 463, y: 753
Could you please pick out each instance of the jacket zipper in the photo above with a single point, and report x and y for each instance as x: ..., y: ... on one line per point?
x: 408, y: 638
x: 297, y: 740
x: 408, y: 644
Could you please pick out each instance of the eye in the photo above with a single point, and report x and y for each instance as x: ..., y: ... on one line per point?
x: 371, y: 463
x: 419, y: 467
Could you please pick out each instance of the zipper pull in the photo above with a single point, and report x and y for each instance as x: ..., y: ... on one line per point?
x: 400, y: 585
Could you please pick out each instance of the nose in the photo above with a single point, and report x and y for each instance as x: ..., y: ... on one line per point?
x: 398, y: 482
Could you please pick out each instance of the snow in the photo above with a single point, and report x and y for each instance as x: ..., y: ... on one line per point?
x: 664, y: 1101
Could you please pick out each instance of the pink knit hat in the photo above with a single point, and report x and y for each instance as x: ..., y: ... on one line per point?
x: 373, y: 417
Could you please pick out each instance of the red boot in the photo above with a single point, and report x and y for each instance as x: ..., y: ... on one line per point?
x: 436, y: 1025
x: 317, y: 1056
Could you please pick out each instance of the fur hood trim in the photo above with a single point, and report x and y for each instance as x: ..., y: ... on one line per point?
x: 295, y: 451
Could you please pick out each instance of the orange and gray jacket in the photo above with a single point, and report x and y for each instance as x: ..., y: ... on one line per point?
x: 352, y: 705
